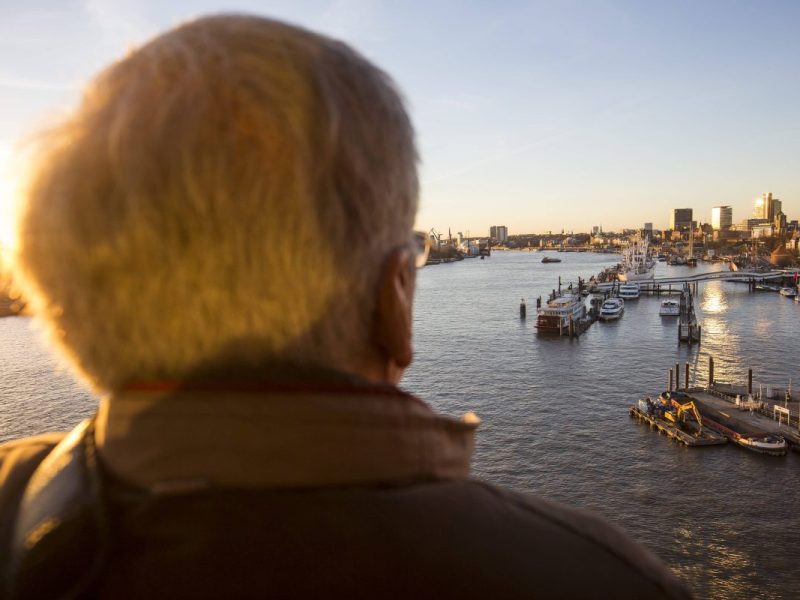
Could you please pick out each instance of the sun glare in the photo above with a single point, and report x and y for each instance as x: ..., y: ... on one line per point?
x: 7, y: 188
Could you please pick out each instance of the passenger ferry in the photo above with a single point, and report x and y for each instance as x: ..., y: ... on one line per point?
x: 555, y: 315
x: 670, y: 308
x: 629, y: 291
x: 612, y: 309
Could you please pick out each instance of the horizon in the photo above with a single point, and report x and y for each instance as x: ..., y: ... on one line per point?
x: 532, y: 115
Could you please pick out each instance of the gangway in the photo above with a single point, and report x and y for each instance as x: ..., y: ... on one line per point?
x: 711, y: 276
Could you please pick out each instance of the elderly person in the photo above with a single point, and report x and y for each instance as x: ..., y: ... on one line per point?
x: 219, y: 239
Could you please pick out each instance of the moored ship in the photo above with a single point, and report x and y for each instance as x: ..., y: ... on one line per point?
x: 637, y: 264
x: 612, y: 309
x: 555, y: 316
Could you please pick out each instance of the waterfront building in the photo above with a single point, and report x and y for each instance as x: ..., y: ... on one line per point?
x: 766, y: 207
x: 680, y: 219
x: 721, y: 217
x: 498, y: 233
x: 763, y: 231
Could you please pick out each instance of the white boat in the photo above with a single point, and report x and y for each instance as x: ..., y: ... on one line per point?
x: 629, y: 291
x: 555, y: 315
x: 670, y: 308
x: 774, y: 445
x: 612, y: 309
x: 637, y: 264
x: 789, y: 292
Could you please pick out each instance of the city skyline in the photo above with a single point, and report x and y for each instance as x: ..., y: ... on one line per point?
x: 541, y: 116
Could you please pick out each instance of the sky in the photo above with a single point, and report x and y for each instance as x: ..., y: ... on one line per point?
x: 536, y: 115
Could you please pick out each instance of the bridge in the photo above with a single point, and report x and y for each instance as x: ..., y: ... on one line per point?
x: 746, y: 276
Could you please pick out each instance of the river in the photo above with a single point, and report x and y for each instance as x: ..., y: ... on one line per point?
x: 554, y: 410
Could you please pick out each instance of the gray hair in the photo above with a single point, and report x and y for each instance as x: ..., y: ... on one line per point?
x: 228, y: 191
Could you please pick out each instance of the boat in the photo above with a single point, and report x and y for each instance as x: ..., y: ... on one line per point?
x: 629, y: 291
x: 612, y: 309
x: 549, y: 259
x: 637, y: 264
x: 556, y: 314
x: 789, y: 292
x: 670, y: 308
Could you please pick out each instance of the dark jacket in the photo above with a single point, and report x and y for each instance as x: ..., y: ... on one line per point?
x: 332, y: 490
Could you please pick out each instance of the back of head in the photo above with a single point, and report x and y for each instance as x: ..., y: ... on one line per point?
x: 227, y: 192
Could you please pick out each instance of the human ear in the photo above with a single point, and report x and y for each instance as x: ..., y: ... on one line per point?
x: 393, y: 312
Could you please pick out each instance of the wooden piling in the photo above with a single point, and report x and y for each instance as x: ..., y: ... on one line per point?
x: 523, y: 309
x: 710, y: 371
x: 749, y: 381
x: 677, y: 376
x: 670, y: 380
x: 686, y: 378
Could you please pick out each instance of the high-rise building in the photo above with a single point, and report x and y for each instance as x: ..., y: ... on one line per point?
x: 766, y: 207
x: 680, y: 219
x: 595, y: 230
x: 648, y: 229
x: 499, y: 233
x: 721, y: 217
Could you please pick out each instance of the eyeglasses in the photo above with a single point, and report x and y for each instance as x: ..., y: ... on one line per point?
x: 421, y: 245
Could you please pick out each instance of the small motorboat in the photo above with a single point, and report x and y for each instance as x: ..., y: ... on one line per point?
x: 670, y: 308
x: 789, y: 292
x: 629, y: 291
x: 774, y: 445
x: 612, y: 309
x: 548, y: 259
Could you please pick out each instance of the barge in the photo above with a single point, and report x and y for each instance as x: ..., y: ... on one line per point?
x: 674, y: 423
x: 734, y: 429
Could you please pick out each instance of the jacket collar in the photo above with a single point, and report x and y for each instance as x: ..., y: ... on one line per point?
x: 278, y: 434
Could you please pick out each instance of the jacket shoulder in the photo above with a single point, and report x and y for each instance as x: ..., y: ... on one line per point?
x: 18, y: 461
x: 580, y: 540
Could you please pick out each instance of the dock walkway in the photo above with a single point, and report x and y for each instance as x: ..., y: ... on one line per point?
x: 752, y: 420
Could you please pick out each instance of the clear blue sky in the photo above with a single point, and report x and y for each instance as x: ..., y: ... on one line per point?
x: 536, y: 115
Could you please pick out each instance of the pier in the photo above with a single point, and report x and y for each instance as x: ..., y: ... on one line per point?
x: 689, y: 329
x: 663, y: 285
x: 732, y: 409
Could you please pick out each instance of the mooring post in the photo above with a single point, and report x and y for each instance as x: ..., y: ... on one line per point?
x: 686, y: 378
x: 710, y: 371
x: 670, y: 380
x: 523, y: 309
x: 571, y: 327
x: 677, y: 376
x: 750, y: 381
